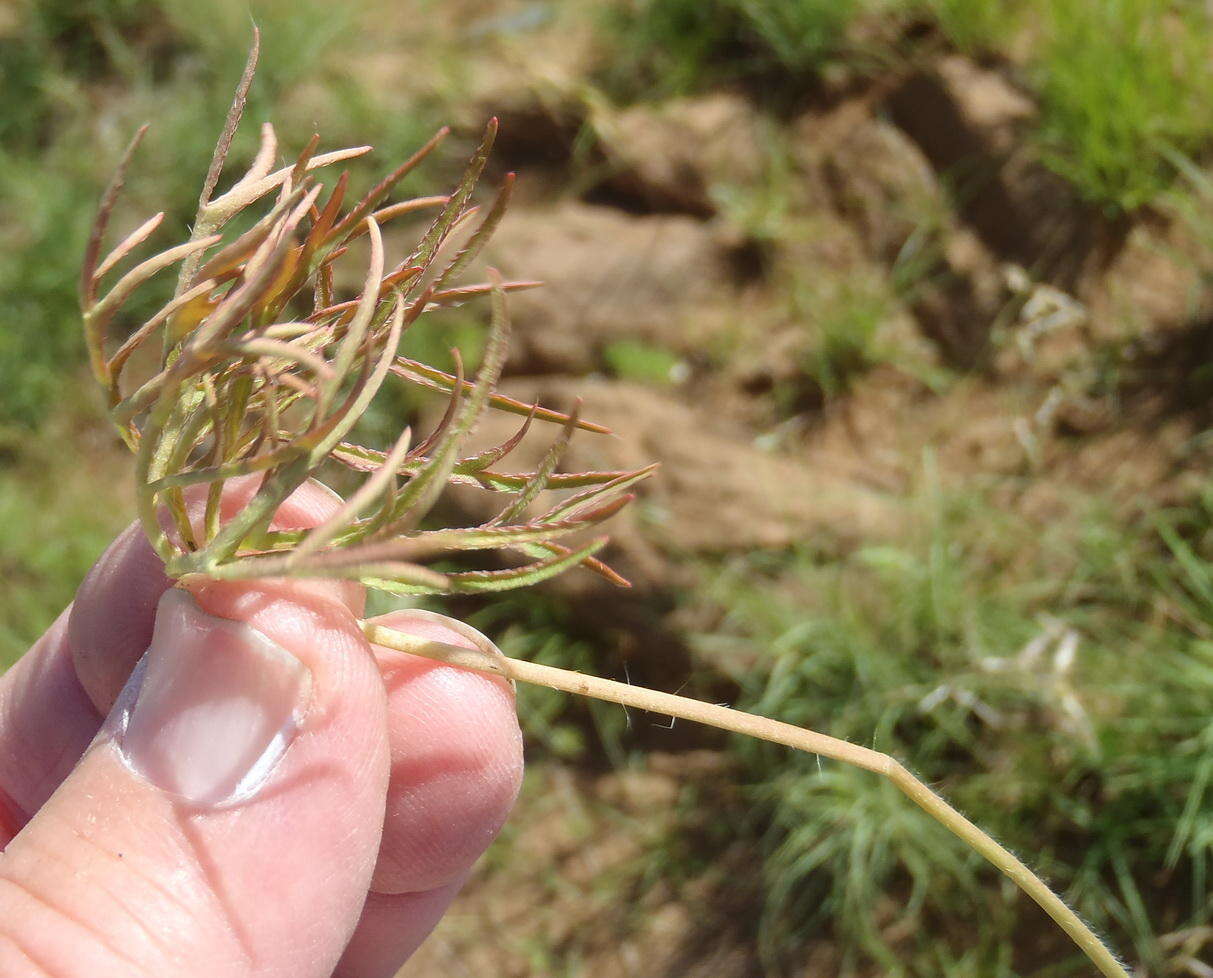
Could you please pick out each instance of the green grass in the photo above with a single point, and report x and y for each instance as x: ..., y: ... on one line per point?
x: 977, y: 26
x: 679, y: 46
x: 949, y: 650
x: 643, y: 362
x: 54, y: 521
x: 1051, y: 680
x: 1122, y: 84
x: 843, y: 327
x: 43, y: 220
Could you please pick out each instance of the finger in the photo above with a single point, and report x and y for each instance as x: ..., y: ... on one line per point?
x: 226, y: 821
x: 112, y: 615
x: 456, y: 767
x: 46, y: 722
x: 456, y: 758
x: 392, y: 927
x: 53, y: 699
x: 110, y: 625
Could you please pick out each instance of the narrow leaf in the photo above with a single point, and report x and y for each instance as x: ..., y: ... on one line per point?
x: 367, y: 493
x: 419, y: 495
x: 432, y: 240
x: 362, y: 316
x: 128, y: 244
x: 491, y: 456
x: 573, y: 503
x: 468, y: 253
x: 538, y: 482
x: 108, y: 199
x: 231, y: 123
x: 438, y: 380
x: 476, y: 582
x: 353, y: 221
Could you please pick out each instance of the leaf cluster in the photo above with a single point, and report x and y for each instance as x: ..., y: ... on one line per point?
x: 264, y: 370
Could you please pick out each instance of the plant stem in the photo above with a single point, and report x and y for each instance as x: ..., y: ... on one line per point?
x: 774, y: 731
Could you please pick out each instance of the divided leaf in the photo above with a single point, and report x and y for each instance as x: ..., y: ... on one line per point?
x: 265, y: 370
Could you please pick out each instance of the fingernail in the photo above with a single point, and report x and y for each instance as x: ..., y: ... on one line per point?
x: 213, y: 706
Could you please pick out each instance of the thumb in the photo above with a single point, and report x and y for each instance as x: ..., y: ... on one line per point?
x: 226, y: 820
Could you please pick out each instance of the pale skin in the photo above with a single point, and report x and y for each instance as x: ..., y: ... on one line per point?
x: 402, y: 772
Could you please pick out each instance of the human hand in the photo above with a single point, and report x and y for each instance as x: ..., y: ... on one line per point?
x: 268, y: 796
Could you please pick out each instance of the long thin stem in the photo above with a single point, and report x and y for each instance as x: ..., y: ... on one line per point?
x: 776, y: 732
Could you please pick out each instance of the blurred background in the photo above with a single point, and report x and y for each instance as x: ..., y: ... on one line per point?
x: 911, y: 298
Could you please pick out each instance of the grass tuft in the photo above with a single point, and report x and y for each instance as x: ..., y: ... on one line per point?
x: 1124, y: 83
x: 679, y: 46
x: 1035, y: 674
